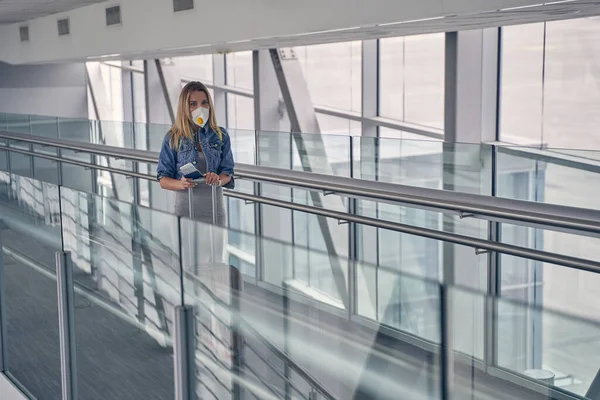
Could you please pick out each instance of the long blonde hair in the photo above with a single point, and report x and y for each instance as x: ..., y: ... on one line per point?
x: 184, y: 125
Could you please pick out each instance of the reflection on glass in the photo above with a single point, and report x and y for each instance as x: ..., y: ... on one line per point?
x: 127, y: 283
x: 30, y: 236
x: 323, y: 154
x: 536, y: 340
x: 43, y: 169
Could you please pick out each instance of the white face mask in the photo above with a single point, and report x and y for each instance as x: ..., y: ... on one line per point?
x: 200, y: 116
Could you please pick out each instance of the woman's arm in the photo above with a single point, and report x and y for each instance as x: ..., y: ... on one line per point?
x: 166, y: 171
x: 227, y: 163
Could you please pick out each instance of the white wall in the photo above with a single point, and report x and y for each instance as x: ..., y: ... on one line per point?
x: 150, y: 25
x: 57, y: 90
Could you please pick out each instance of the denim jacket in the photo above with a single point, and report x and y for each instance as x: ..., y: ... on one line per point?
x: 219, y: 158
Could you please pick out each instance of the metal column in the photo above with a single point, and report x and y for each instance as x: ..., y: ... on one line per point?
x: 269, y: 117
x: 66, y: 325
x: 471, y: 67
x: 370, y: 85
x: 219, y: 96
x: 165, y: 90
x: 184, y: 348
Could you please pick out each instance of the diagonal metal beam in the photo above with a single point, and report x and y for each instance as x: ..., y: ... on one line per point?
x: 165, y: 90
x: 303, y: 118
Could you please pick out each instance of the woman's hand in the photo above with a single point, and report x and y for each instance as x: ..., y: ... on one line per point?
x: 212, y: 179
x: 186, y: 183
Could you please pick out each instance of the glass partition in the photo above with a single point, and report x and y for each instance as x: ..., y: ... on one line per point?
x: 307, y: 293
x: 29, y: 237
x: 127, y: 284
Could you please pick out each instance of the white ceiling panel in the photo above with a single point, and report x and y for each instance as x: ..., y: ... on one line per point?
x: 230, y: 29
x: 14, y: 11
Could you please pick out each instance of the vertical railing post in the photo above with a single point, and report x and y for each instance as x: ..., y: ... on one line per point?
x: 138, y: 268
x: 214, y: 204
x: 493, y: 285
x: 286, y: 343
x: 352, y: 244
x: 446, y: 344
x: 184, y: 347
x: 213, y: 229
x: 237, y: 340
x: 3, y: 338
x: 66, y: 325
x: 191, y: 203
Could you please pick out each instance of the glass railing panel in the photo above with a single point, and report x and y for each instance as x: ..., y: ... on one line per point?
x: 44, y: 169
x: 241, y: 218
x: 554, y: 349
x: 74, y: 176
x: 154, y: 135
x: 117, y: 134
x: 461, y: 167
x: 467, y: 322
x: 127, y: 283
x: 207, y: 287
x: 298, y: 319
x: 20, y: 164
x: 323, y: 154
x: 30, y: 230
x: 418, y: 255
x: 150, y: 137
x: 545, y: 176
x: 243, y: 146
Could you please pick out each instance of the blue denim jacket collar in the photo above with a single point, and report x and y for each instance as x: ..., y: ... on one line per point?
x: 218, y: 154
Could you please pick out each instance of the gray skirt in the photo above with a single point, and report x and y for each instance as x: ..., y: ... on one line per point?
x: 204, y: 243
x: 202, y: 207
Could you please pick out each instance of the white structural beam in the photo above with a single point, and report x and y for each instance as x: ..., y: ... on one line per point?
x: 471, y: 86
x: 150, y: 28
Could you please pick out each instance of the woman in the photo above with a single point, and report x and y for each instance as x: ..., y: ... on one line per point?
x: 196, y: 138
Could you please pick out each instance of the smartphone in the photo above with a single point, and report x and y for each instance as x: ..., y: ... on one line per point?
x: 190, y: 171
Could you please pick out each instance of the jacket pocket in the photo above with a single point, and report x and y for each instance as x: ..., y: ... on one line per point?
x: 215, y: 147
x: 185, y: 154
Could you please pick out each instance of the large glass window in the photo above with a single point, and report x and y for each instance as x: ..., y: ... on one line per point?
x: 239, y: 70
x: 521, y: 91
x: 240, y: 112
x: 196, y: 67
x: 550, y: 97
x: 411, y: 80
x: 551, y: 84
x: 333, y: 74
x: 340, y: 126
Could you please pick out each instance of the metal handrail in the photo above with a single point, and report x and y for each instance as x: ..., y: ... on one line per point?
x: 476, y: 243
x: 521, y: 212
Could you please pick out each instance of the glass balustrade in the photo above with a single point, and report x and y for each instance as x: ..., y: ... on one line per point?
x: 378, y: 278
x: 276, y: 317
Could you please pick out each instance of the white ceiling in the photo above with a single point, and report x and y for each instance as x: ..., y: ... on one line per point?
x: 13, y: 11
x: 138, y: 39
x: 549, y: 11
